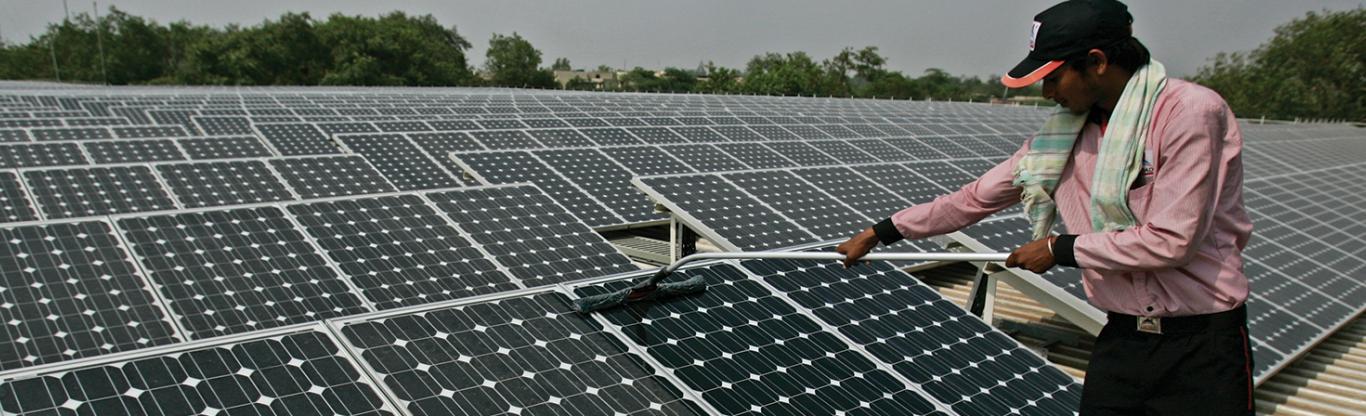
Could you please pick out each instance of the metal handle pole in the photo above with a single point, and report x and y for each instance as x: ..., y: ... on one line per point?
x: 761, y: 255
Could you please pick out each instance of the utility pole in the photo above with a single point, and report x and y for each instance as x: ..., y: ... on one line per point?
x: 66, y: 9
x: 99, y: 40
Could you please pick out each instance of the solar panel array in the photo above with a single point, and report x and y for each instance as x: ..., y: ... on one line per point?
x: 178, y: 249
x: 1305, y: 263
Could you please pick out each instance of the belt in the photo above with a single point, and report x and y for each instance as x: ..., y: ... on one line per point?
x: 1230, y: 319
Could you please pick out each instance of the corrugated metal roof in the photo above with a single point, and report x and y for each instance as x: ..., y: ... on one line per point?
x: 1328, y: 380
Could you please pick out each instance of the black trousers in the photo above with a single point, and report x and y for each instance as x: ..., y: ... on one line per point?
x: 1200, y: 365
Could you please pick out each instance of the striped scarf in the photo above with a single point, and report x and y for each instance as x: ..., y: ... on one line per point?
x: 1117, y: 165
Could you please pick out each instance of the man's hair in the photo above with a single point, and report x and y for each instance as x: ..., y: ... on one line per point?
x: 1129, y: 54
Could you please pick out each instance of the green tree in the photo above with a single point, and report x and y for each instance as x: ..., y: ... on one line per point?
x: 719, y: 80
x: 561, y: 64
x: 1314, y: 66
x: 791, y: 74
x: 513, y: 62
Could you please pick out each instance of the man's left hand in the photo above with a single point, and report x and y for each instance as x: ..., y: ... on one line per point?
x: 1036, y: 256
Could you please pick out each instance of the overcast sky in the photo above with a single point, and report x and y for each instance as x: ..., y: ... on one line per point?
x: 973, y: 37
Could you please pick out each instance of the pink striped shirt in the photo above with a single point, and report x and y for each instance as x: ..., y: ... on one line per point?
x: 1185, y: 255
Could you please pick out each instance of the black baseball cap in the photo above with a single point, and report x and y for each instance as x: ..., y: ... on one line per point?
x: 1069, y: 29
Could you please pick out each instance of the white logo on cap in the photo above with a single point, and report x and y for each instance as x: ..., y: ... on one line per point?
x: 1033, y: 34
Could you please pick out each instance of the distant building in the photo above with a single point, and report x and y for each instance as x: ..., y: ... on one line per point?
x: 602, y: 79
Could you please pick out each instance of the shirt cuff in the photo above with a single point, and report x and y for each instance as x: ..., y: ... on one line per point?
x: 887, y: 232
x: 1062, y: 250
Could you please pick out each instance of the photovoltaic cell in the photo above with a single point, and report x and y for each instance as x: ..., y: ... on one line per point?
x: 25, y: 155
x: 399, y: 251
x: 948, y: 146
x: 560, y: 138
x: 400, y: 161
x: 232, y: 271
x: 224, y: 148
x: 904, y: 183
x: 740, y: 219
x: 942, y: 173
x: 14, y: 203
x: 70, y: 291
x: 524, y: 355
x: 881, y: 150
x: 843, y: 151
x: 519, y: 167
x: 955, y: 357
x: 530, y: 235
x: 321, y: 177
x: 223, y: 126
x: 610, y: 137
x: 80, y: 192
x: 819, y: 213
x: 505, y: 139
x: 133, y: 151
x: 870, y: 199
x: 299, y: 139
x: 606, y: 181
x: 699, y: 134
x: 739, y: 133
x: 646, y: 160
x: 755, y: 155
x: 209, y: 184
x: 802, y: 153
x: 704, y: 157
x: 915, y: 147
x: 749, y: 352
x: 84, y: 133
x: 294, y: 374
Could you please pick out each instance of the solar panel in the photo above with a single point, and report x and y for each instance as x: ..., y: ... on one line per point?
x: 606, y: 181
x: 506, y: 139
x: 941, y: 173
x: 401, y: 126
x: 560, y: 138
x: 843, y: 151
x: 545, y: 123
x: 232, y: 271
x: 915, y: 147
x: 1008, y: 234
x: 699, y: 134
x: 223, y: 126
x: 610, y: 137
x: 24, y: 155
x: 819, y: 213
x: 881, y: 150
x: 657, y: 135
x: 80, y: 192
x: 949, y: 147
x: 13, y: 135
x: 224, y: 148
x: 704, y: 157
x: 738, y: 133
x: 133, y: 151
x: 453, y: 125
x: 520, y: 167
x: 302, y: 373
x: 838, y: 131
x: 802, y: 153
x: 646, y: 160
x: 145, y: 132
x: 321, y: 177
x: 755, y: 155
x: 774, y: 133
x: 299, y: 139
x: 523, y: 355
x: 955, y: 357
x: 70, y: 291
x: 902, y: 182
x: 14, y: 203
x: 534, y: 238
x: 85, y: 133
x: 209, y: 184
x: 495, y: 124
x: 398, y: 251
x: 867, y: 197
x: 400, y: 161
x: 735, y: 217
x: 748, y: 351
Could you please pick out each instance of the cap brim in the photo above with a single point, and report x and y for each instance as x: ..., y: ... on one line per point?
x: 1029, y: 72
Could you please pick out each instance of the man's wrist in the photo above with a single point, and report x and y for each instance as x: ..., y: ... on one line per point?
x: 1062, y: 250
x: 887, y: 233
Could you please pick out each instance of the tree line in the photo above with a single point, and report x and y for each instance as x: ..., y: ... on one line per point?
x: 1313, y: 67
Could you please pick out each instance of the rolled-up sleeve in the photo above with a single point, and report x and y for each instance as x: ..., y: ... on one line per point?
x: 1182, y: 202
x: 990, y: 193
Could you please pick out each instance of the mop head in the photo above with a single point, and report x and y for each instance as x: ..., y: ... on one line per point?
x: 590, y: 304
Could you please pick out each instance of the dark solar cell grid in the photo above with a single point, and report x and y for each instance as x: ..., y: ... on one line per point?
x: 25, y: 155
x: 233, y: 271
x: 70, y: 291
x: 525, y: 355
x: 534, y: 238
x: 80, y: 192
x: 801, y: 202
x: 400, y: 161
x: 740, y: 219
x: 321, y: 177
x: 133, y: 151
x: 398, y: 251
x: 207, y: 184
x: 301, y: 139
x: 224, y: 148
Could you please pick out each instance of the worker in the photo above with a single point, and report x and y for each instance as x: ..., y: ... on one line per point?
x: 1146, y: 174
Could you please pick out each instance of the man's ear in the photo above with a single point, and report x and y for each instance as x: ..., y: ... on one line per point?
x: 1097, y: 61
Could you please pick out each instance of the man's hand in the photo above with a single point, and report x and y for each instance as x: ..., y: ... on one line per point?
x: 857, y: 246
x: 1036, y: 256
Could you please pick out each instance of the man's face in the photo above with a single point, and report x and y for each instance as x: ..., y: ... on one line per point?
x: 1071, y: 88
